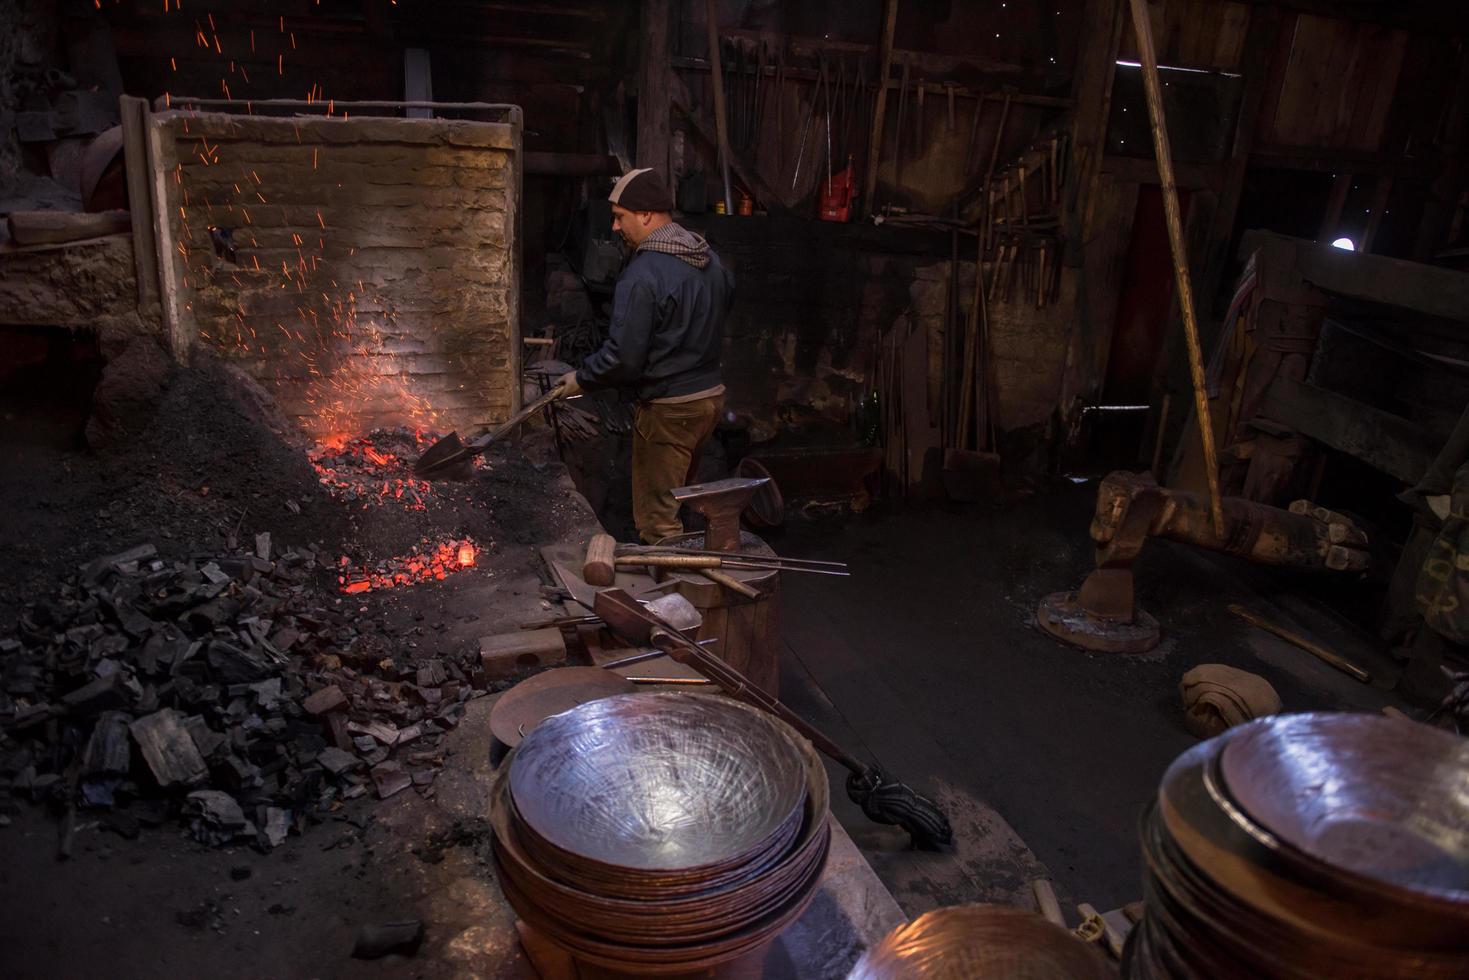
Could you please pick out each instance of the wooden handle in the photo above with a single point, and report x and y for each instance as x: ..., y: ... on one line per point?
x: 1045, y: 900
x: 483, y: 441
x: 730, y: 582
x: 1320, y: 652
x: 671, y: 561
x: 599, y: 568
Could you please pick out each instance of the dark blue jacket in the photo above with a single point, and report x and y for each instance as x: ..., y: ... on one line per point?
x: 667, y: 328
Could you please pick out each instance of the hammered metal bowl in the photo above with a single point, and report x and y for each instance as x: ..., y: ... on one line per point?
x: 1374, y: 797
x: 1221, y: 901
x: 645, y: 785
x: 981, y: 942
x: 676, y: 932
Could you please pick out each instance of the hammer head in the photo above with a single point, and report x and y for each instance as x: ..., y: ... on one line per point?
x: 721, y: 503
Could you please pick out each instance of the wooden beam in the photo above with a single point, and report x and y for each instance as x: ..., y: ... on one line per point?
x: 686, y: 63
x: 879, y: 111
x: 1142, y: 25
x: 654, y: 134
x: 1375, y: 278
x: 716, y: 85
x: 1091, y: 90
x: 1386, y: 442
x: 159, y: 162
x: 1139, y: 170
x: 1443, y: 193
x: 134, y: 113
x: 1335, y: 160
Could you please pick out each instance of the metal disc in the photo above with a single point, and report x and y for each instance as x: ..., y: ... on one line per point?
x: 1061, y: 614
x: 523, y: 707
x: 1375, y: 797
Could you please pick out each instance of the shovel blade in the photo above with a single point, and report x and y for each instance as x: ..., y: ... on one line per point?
x: 440, y: 454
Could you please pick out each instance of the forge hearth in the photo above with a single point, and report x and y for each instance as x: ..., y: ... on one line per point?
x: 364, y: 270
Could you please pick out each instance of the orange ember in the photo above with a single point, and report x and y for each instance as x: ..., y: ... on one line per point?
x: 357, y: 471
x: 433, y: 564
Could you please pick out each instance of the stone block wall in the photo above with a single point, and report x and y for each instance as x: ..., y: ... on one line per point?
x: 365, y: 270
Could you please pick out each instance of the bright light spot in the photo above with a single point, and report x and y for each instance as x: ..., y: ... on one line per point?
x: 1345, y: 243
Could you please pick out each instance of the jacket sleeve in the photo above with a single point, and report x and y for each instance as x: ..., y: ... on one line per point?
x: 621, y: 360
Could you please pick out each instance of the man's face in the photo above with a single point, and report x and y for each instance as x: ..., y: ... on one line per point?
x: 633, y: 226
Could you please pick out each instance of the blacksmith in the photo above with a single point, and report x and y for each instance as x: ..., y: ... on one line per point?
x: 666, y: 338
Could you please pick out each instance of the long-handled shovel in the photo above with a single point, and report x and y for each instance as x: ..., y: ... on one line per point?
x: 443, y: 459
x: 883, y: 800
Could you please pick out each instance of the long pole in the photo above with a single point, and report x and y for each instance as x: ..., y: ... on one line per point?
x: 1149, y: 58
x: 716, y: 82
x: 874, y: 139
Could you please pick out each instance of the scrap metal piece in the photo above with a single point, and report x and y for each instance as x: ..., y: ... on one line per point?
x: 520, y: 709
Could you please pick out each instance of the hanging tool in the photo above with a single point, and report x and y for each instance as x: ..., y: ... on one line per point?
x: 949, y: 89
x: 989, y: 174
x: 898, y: 135
x: 806, y: 130
x: 780, y: 104
x: 882, y: 800
x: 438, y: 461
x: 918, y: 119
x: 756, y: 116
x: 721, y: 122
x: 827, y: 84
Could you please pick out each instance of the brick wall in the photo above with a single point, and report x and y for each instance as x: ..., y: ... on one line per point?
x: 375, y: 278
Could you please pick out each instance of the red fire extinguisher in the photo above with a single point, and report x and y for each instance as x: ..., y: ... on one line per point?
x: 836, y: 194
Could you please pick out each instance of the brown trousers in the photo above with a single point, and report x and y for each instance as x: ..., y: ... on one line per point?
x: 667, y: 439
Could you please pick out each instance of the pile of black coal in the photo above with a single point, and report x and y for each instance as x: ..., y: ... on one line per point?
x: 235, y: 694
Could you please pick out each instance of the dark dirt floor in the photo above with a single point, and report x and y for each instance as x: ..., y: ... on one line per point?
x: 927, y: 660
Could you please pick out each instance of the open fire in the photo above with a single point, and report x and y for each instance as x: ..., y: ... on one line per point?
x: 375, y: 470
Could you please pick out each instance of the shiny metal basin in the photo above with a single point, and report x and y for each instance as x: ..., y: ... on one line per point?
x: 658, y: 782
x: 1378, y: 797
x: 981, y: 942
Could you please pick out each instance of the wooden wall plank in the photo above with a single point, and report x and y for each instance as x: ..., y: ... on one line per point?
x: 1338, y: 85
x: 1389, y: 62
x: 1196, y: 33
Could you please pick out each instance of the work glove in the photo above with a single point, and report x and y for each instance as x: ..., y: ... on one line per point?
x: 568, y: 381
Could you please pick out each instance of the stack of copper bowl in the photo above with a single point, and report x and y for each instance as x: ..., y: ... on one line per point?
x: 661, y: 833
x: 981, y: 942
x: 1310, y: 845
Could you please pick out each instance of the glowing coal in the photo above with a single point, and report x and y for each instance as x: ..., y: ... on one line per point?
x: 426, y: 563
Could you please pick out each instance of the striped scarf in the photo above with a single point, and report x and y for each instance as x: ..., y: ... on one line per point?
x: 676, y: 240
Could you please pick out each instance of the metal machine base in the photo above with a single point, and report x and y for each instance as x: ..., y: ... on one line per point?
x: 1062, y: 615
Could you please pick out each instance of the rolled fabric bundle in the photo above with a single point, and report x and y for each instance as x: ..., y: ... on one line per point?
x: 1216, y: 697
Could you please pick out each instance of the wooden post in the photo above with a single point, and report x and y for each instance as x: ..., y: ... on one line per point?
x: 140, y: 198
x: 654, y: 137
x: 874, y: 139
x: 1149, y: 59
x: 716, y: 83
